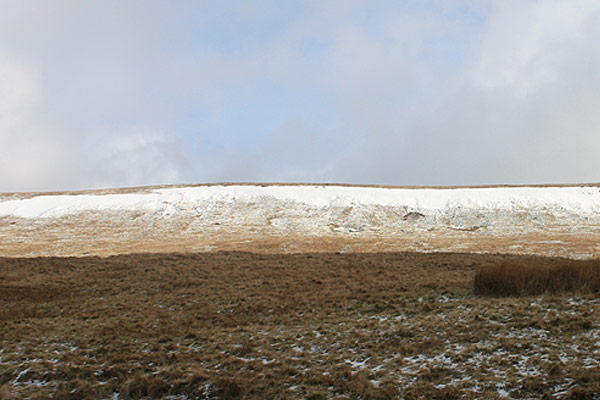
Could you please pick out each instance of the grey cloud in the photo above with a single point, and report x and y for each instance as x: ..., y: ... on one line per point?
x: 84, y: 74
x: 529, y: 120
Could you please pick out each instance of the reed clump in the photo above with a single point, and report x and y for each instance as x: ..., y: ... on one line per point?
x: 517, y: 278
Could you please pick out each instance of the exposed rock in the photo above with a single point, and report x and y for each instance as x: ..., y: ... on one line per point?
x: 413, y: 216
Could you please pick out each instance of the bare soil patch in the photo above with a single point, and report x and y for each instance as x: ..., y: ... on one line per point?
x: 259, y: 326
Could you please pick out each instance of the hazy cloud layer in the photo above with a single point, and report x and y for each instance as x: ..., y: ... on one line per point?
x: 120, y: 93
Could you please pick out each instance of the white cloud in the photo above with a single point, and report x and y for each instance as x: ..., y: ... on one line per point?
x: 38, y: 154
x: 30, y: 153
x: 19, y: 87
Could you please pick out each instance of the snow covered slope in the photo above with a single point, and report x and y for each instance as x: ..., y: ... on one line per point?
x: 199, y: 218
x: 583, y: 200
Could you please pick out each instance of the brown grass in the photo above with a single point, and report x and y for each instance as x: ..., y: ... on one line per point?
x: 304, y: 326
x: 518, y: 278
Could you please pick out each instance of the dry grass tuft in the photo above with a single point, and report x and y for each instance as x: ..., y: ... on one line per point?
x: 518, y: 278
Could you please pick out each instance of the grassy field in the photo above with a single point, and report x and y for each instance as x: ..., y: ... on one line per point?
x: 317, y: 326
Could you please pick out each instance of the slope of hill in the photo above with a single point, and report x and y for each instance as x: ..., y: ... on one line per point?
x: 549, y: 220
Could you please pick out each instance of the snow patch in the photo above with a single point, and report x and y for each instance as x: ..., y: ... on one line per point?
x: 170, y: 201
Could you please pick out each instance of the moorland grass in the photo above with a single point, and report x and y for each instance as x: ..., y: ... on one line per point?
x: 298, y: 326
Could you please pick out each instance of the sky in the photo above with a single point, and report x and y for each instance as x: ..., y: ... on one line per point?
x: 119, y: 93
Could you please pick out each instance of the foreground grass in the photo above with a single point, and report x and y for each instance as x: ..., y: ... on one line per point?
x: 240, y: 325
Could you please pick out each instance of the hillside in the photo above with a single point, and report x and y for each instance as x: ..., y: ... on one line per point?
x: 278, y: 218
x: 327, y: 294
